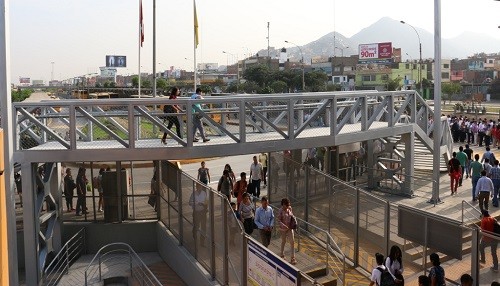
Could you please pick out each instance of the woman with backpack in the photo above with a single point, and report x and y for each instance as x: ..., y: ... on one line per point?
x: 394, y: 264
x: 172, y: 119
x: 436, y: 273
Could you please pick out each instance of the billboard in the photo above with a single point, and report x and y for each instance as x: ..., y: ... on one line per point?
x: 24, y: 80
x: 265, y: 268
x: 375, y: 53
x: 476, y: 65
x: 116, y: 61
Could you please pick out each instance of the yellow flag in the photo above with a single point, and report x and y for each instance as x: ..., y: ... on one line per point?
x: 196, y: 41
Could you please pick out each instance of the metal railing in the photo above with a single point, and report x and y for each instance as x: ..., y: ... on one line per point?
x: 213, y: 236
x: 60, y: 264
x: 333, y: 253
x: 120, y: 261
x: 470, y: 214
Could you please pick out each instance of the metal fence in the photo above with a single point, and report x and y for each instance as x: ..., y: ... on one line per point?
x: 362, y: 224
x: 212, y: 235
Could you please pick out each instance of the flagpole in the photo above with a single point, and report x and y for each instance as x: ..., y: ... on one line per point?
x: 195, y: 42
x: 154, y: 50
x: 140, y: 43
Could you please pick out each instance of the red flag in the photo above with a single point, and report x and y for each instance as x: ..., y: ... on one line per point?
x: 141, y: 23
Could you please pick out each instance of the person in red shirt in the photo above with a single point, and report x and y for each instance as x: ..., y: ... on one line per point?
x: 488, y: 225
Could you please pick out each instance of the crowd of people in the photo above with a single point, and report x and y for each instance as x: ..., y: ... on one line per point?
x: 472, y: 131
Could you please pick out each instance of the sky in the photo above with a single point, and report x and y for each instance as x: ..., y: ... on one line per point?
x: 76, y: 35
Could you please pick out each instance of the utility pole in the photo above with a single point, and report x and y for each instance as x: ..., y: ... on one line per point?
x: 52, y: 72
x: 268, y: 55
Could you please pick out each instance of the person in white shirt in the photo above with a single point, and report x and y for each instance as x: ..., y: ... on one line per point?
x: 198, y: 201
x: 377, y: 271
x: 394, y: 264
x: 484, y: 189
x: 263, y: 162
x: 256, y: 174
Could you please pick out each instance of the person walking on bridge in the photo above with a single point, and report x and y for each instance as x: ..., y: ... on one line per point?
x: 197, y: 124
x: 476, y: 168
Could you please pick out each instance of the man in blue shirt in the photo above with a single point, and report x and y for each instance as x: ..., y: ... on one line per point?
x: 264, y: 219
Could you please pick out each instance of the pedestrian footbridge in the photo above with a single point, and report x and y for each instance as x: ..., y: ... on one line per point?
x: 130, y: 129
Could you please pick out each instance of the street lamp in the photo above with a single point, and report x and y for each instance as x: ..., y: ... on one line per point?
x: 237, y: 69
x: 302, y: 54
x: 420, y: 51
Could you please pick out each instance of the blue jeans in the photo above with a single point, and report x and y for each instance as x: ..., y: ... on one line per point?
x: 474, y: 184
x: 496, y: 187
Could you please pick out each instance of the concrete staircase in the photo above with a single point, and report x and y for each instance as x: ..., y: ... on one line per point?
x: 423, y: 157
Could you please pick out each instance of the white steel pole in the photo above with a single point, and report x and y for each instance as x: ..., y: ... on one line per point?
x: 437, y: 102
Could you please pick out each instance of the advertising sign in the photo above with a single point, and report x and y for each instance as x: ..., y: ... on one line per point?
x: 116, y: 61
x: 375, y: 53
x: 476, y: 65
x: 265, y: 268
x: 25, y: 80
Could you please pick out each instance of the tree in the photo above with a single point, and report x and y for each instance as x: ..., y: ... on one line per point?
x: 135, y: 81
x: 450, y: 89
x: 161, y: 83
x: 279, y: 86
x: 394, y: 84
x: 259, y: 74
x: 250, y: 87
x: 316, y: 81
x: 146, y: 83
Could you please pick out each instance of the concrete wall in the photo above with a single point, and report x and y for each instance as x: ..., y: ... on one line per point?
x: 180, y: 260
x: 141, y: 236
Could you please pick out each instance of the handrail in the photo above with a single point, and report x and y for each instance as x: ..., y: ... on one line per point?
x: 329, y: 239
x: 64, y: 258
x: 132, y: 255
x: 470, y: 207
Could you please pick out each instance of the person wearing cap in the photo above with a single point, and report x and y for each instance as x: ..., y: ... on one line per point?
x: 488, y: 225
x: 484, y: 189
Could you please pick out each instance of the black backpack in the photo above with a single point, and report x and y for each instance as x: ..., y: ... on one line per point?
x: 386, y: 278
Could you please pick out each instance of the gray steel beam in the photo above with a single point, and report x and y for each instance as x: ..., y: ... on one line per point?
x: 31, y: 226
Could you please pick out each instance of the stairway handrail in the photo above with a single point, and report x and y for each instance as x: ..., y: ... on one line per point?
x: 329, y: 238
x: 466, y: 203
x: 68, y: 248
x: 131, y: 253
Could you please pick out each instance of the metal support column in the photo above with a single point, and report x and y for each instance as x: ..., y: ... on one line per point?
x: 370, y: 163
x: 225, y: 259
x: 408, y: 162
x: 211, y: 211
x: 31, y: 227
x: 119, y: 187
x: 356, y: 228
x: 474, y: 255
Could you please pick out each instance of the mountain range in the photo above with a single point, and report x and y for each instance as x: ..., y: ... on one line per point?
x: 402, y: 36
